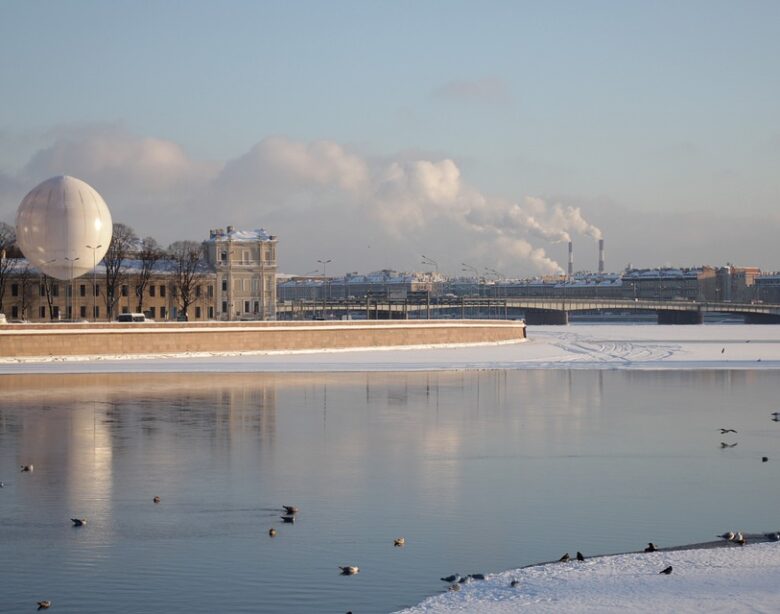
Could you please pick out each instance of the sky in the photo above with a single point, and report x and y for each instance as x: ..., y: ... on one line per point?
x: 477, y: 134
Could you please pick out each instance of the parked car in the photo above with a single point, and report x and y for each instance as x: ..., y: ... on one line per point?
x: 131, y: 317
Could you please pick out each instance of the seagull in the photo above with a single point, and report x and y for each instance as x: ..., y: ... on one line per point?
x: 580, y: 556
x: 399, y: 541
x: 78, y: 522
x: 272, y: 532
x: 452, y: 578
x: 728, y: 535
x: 666, y: 571
x: 723, y: 444
x: 44, y: 605
x: 156, y: 499
x: 565, y: 558
x: 290, y: 509
x: 28, y: 468
x: 724, y: 431
x: 288, y: 519
x: 514, y: 583
x: 651, y: 547
x: 454, y: 587
x: 349, y: 570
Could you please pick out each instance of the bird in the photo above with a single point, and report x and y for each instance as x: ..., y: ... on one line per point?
x: 290, y: 509
x: 723, y: 444
x: 728, y: 535
x: 288, y: 519
x: 156, y: 499
x: 776, y: 414
x: 27, y: 468
x: 477, y: 576
x: 580, y: 556
x: 44, y: 605
x: 272, y: 532
x: 666, y: 571
x: 454, y: 587
x: 773, y: 537
x: 78, y: 522
x: 349, y: 570
x: 722, y: 350
x: 453, y: 578
x: 740, y: 542
x: 514, y: 583
x: 764, y: 459
x: 651, y: 547
x: 2, y: 485
x: 738, y: 537
x: 565, y: 558
x: 724, y: 431
x: 399, y: 541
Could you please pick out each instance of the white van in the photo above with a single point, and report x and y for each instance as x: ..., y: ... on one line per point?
x: 131, y: 317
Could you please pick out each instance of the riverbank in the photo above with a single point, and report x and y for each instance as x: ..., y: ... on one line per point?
x: 723, y: 579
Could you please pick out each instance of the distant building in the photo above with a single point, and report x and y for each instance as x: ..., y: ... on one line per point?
x: 767, y: 287
x: 386, y: 284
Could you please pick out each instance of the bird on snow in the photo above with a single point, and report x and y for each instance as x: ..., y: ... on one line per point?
x: 399, y: 541
x: 477, y: 576
x: 44, y: 605
x: 723, y: 444
x: 666, y: 571
x: 290, y: 509
x: 565, y: 558
x: 724, y: 431
x: 773, y: 537
x: 739, y: 539
x: 580, y: 556
x: 78, y: 522
x: 27, y: 468
x: 728, y: 535
x: 514, y: 583
x: 651, y: 547
x: 288, y: 519
x: 349, y: 570
x: 454, y: 587
x: 453, y: 578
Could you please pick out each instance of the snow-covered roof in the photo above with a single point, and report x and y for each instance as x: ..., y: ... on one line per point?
x: 231, y: 234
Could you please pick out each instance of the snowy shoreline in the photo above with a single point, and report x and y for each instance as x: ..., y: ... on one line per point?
x: 578, y: 346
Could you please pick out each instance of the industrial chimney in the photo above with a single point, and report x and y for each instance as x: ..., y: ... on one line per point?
x: 571, y: 259
x: 601, y: 256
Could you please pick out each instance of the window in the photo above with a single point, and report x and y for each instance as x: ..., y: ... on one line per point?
x: 82, y: 290
x: 97, y: 311
x: 162, y: 291
x: 43, y: 290
x: 151, y: 312
x: 125, y: 310
x: 246, y: 306
x: 56, y: 312
x: 197, y: 291
x: 151, y: 289
x: 14, y: 289
x: 162, y: 313
x: 245, y: 256
x: 224, y: 307
x: 124, y: 291
x: 42, y: 311
x: 211, y: 311
x: 223, y: 256
x: 224, y: 286
x: 83, y: 309
x: 197, y: 312
x: 55, y: 290
x: 257, y: 306
x: 211, y: 291
x: 15, y: 312
x: 97, y: 289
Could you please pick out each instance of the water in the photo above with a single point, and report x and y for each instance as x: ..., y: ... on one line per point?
x: 479, y: 471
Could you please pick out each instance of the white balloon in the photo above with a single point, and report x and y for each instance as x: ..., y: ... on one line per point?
x: 63, y: 226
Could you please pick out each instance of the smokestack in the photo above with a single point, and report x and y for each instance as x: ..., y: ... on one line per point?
x: 571, y: 259
x: 601, y: 255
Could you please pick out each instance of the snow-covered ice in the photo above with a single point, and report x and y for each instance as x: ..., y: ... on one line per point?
x: 731, y: 579
x: 643, y: 346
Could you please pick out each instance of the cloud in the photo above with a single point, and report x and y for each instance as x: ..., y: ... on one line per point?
x: 489, y: 90
x: 321, y: 197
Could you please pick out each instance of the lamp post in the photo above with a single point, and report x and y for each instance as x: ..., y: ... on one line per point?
x: 324, y: 273
x: 430, y: 262
x: 94, y: 279
x: 71, y: 260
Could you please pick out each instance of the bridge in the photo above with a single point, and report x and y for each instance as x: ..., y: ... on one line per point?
x: 535, y: 310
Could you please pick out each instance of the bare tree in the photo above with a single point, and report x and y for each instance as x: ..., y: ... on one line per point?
x: 25, y: 276
x: 48, y: 285
x: 188, y: 271
x: 7, y: 239
x: 150, y: 255
x: 122, y: 241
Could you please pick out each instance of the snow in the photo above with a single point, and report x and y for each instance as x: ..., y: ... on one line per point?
x: 729, y: 579
x: 595, y: 346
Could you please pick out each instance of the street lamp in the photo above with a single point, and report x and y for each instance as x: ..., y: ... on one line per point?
x: 71, y: 260
x: 324, y: 274
x: 430, y: 262
x: 94, y: 279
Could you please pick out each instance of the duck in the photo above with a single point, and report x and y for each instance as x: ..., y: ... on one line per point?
x: 290, y: 509
x: 514, y: 583
x: 565, y: 558
x: 27, y: 468
x: 773, y: 537
x: 288, y: 519
x: 666, y: 571
x: 728, y: 535
x: 157, y: 499
x: 349, y: 570
x: 580, y: 556
x: 399, y: 541
x: 44, y: 605
x: 78, y: 522
x: 477, y: 576
x: 453, y: 578
x: 651, y: 547
x: 272, y: 532
x: 738, y: 537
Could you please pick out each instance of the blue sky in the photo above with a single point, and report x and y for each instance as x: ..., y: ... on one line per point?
x: 658, y: 120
